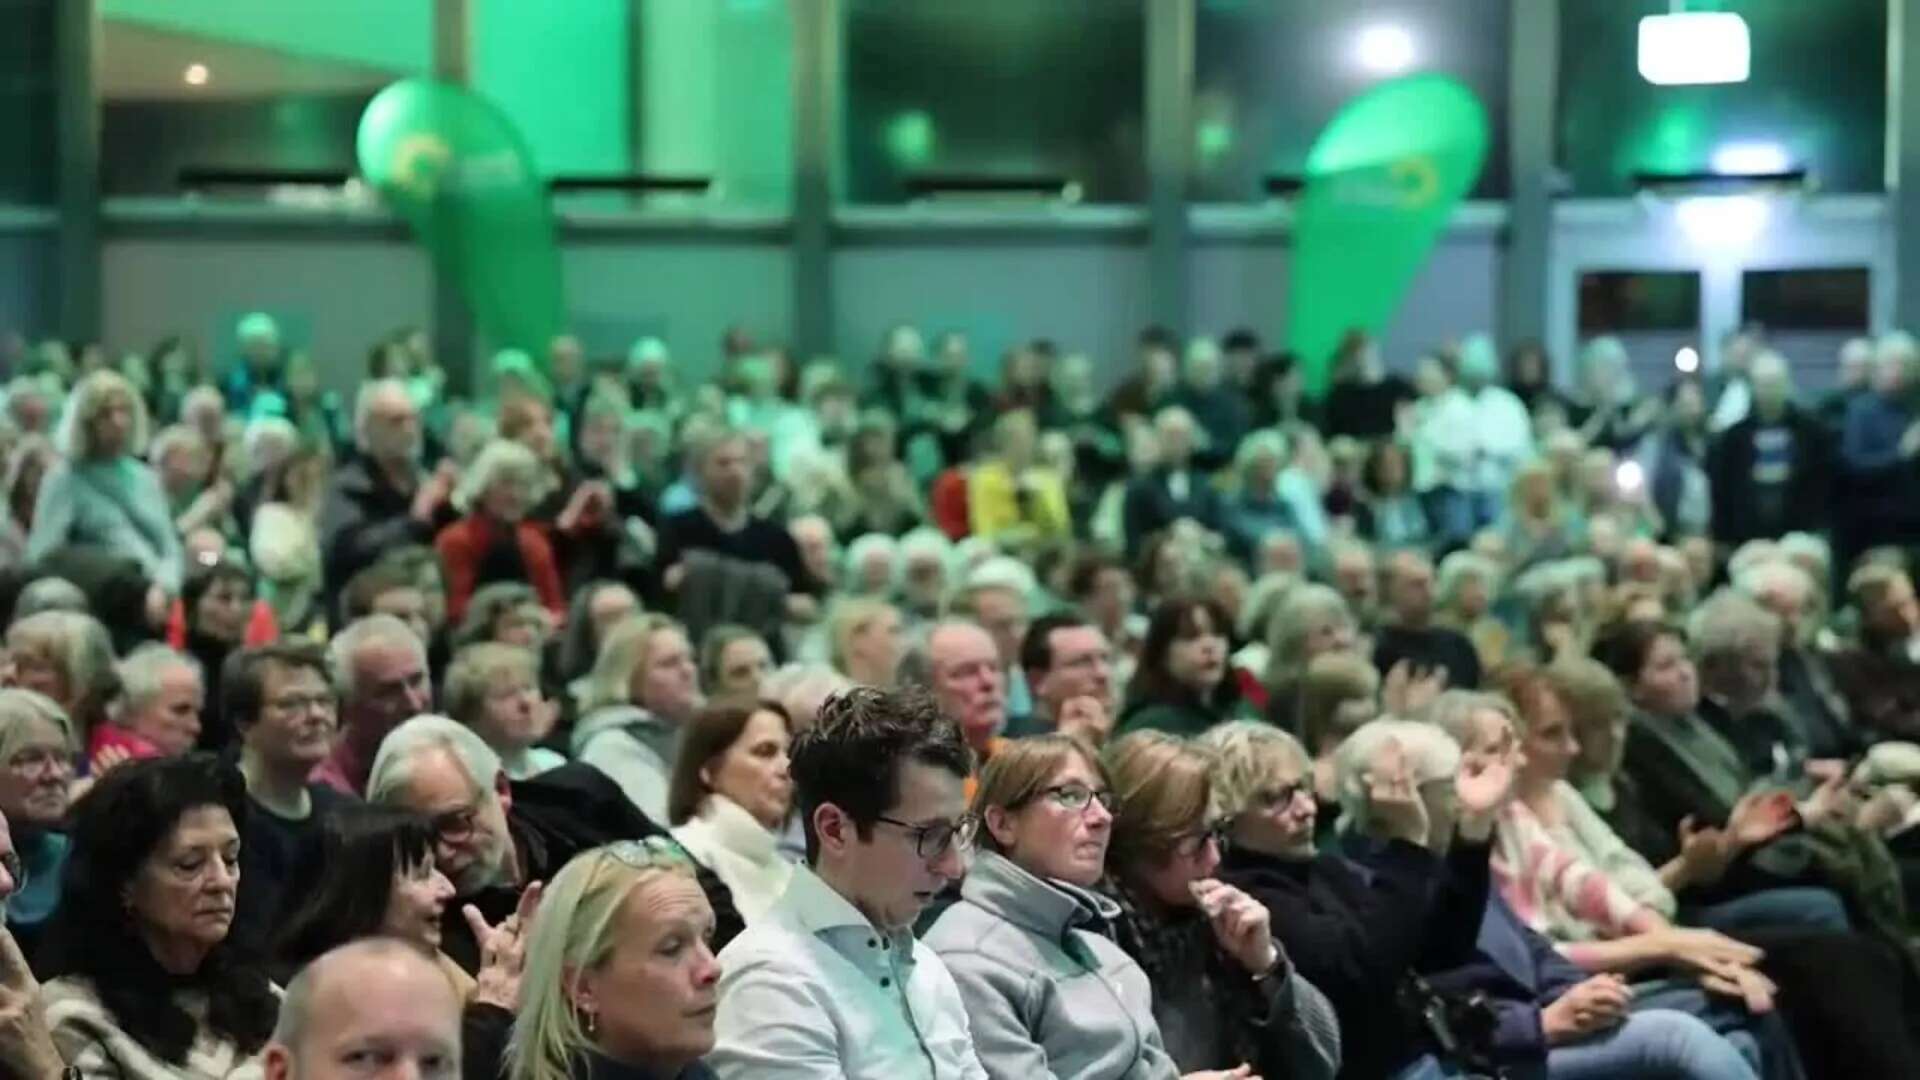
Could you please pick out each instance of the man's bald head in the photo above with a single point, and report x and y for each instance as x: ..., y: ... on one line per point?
x: 377, y: 1003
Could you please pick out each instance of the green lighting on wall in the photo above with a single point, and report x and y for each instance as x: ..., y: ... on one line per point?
x: 910, y: 137
x: 1213, y: 138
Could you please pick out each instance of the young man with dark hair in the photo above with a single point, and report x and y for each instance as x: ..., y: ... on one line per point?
x: 831, y: 981
x: 280, y: 702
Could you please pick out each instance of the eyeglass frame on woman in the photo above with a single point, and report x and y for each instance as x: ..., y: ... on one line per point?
x: 1281, y: 796
x: 1076, y: 797
x: 1194, y: 841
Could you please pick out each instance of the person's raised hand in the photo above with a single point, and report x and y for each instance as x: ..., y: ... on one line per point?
x: 26, y: 1043
x: 1587, y: 1008
x: 1241, y: 924
x: 1482, y: 785
x: 503, y: 950
x: 1394, y: 808
x: 1086, y: 719
x: 1238, y: 1072
x: 1409, y: 689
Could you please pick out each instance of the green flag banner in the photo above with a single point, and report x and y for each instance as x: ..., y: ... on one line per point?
x: 455, y: 167
x: 1382, y: 180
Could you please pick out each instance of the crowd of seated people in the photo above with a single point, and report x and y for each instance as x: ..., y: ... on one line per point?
x: 872, y: 719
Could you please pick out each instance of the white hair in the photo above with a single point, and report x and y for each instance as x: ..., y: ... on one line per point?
x: 175, y: 437
x: 926, y: 543
x: 1728, y: 622
x: 379, y: 629
x: 146, y: 667
x: 393, y: 765
x: 262, y: 431
x: 1000, y: 572
x: 499, y: 458
x: 363, y: 404
x: 1431, y: 754
x: 801, y: 689
x: 1810, y: 545
x: 866, y: 547
x: 200, y: 396
x: 1759, y: 578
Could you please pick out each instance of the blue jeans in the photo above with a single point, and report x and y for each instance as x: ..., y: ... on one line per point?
x: 1656, y: 1043
x: 1797, y: 907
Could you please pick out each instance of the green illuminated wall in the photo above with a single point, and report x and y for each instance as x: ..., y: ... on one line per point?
x: 396, y: 35
x: 560, y: 71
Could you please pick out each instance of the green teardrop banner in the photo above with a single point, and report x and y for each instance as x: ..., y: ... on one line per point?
x: 1382, y: 181
x: 453, y: 165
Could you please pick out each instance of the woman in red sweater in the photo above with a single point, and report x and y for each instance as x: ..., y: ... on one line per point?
x: 494, y: 541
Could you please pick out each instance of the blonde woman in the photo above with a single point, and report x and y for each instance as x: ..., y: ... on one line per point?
x: 641, y: 690
x: 494, y: 688
x: 1313, y: 620
x: 1220, y: 992
x: 619, y: 979
x: 100, y: 494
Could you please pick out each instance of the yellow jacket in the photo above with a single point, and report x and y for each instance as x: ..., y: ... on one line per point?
x: 995, y: 505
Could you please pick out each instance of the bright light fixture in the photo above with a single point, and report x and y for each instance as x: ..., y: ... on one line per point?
x: 1751, y: 159
x: 1687, y: 360
x: 1695, y: 47
x: 1718, y: 222
x: 1628, y: 476
x: 196, y: 75
x: 1385, y: 49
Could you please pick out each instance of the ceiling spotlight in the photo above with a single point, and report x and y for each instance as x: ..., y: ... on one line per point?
x: 1687, y: 360
x: 1695, y: 47
x: 1385, y: 49
x: 196, y: 75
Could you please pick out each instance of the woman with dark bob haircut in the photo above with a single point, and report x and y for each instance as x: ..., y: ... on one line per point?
x: 148, y: 983
x: 374, y: 876
x: 1184, y: 684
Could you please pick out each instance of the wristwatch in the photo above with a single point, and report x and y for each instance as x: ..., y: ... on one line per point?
x: 1275, y: 966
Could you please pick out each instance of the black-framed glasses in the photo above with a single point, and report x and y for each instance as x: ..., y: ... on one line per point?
x: 1190, y: 844
x: 932, y: 841
x: 455, y: 826
x: 1080, y: 796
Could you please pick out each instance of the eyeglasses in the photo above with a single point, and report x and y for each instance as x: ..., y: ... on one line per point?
x: 1080, y: 796
x: 1281, y: 797
x: 930, y: 842
x: 455, y: 826
x: 1190, y: 845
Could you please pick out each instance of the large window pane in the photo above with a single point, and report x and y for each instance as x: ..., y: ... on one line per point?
x: 1270, y: 74
x: 26, y: 101
x: 998, y: 89
x: 235, y: 84
x: 1816, y: 97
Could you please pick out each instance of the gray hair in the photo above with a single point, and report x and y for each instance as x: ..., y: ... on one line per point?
x: 344, y: 650
x: 1453, y: 712
x: 1729, y: 622
x: 264, y: 430
x: 1287, y: 630
x: 996, y: 572
x: 1246, y: 755
x: 500, y: 458
x: 801, y: 689
x: 49, y: 594
x: 146, y: 667
x: 19, y: 708
x: 1430, y: 752
x: 868, y: 545
x: 1456, y: 568
x: 393, y: 765
x: 471, y: 676
x: 363, y: 404
x: 1267, y: 441
x: 175, y: 437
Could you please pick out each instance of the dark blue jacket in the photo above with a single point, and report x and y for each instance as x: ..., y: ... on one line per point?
x: 1520, y: 973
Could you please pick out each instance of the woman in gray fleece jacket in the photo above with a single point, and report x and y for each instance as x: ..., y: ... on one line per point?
x: 1048, y: 993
